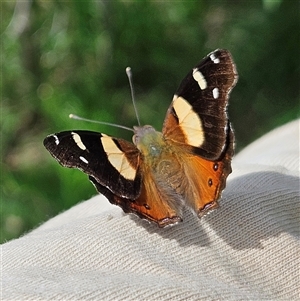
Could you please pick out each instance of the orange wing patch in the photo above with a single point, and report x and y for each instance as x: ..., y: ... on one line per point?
x: 207, y: 178
x: 153, y: 203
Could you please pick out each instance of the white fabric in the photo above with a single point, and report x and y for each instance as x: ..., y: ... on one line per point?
x: 246, y: 250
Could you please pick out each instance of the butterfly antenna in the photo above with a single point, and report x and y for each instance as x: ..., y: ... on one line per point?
x: 129, y: 75
x: 72, y: 116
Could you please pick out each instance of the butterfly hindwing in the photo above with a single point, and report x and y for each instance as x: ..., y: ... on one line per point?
x: 153, y: 204
x: 112, y: 162
x: 207, y: 179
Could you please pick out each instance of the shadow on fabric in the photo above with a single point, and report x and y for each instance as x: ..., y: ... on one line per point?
x: 253, y: 208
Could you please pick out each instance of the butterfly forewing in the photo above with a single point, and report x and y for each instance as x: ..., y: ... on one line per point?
x: 197, y: 115
x: 114, y: 163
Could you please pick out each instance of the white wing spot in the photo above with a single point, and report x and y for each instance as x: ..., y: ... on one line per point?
x: 78, y: 141
x: 198, y: 77
x: 189, y: 122
x: 83, y: 159
x: 214, y: 58
x: 56, y: 139
x: 215, y: 93
x: 117, y: 158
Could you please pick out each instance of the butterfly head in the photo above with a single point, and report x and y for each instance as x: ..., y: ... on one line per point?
x: 147, y: 140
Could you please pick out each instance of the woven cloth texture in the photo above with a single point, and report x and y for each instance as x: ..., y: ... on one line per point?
x: 248, y: 249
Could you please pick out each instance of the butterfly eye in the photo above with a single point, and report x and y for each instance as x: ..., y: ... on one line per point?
x: 134, y: 139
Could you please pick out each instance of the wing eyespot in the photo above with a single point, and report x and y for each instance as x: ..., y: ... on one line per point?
x: 147, y: 206
x: 216, y: 166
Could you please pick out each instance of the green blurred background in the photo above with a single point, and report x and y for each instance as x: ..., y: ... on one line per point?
x: 62, y: 57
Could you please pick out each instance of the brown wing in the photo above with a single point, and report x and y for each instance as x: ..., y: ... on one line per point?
x: 112, y: 162
x: 197, y: 125
x: 207, y: 179
x: 154, y: 203
x: 197, y: 115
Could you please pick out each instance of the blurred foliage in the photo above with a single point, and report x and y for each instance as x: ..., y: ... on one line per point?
x: 62, y: 57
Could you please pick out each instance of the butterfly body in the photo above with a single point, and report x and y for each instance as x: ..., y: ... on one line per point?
x: 186, y: 164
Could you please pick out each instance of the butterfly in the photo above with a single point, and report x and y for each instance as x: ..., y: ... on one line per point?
x: 186, y: 164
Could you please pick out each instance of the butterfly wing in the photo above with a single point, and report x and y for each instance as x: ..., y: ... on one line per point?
x: 113, y: 163
x: 197, y: 115
x: 207, y: 179
x: 197, y: 125
x: 116, y: 169
x: 153, y: 203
